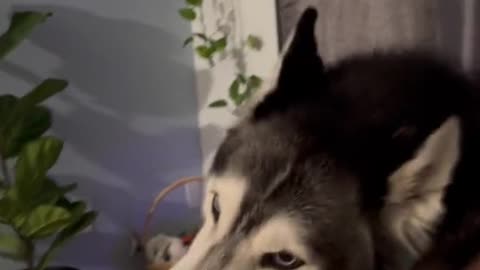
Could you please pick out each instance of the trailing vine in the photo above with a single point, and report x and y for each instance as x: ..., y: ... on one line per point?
x: 209, y: 46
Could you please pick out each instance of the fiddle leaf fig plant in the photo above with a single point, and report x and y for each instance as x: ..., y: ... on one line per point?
x: 22, y: 23
x: 33, y: 206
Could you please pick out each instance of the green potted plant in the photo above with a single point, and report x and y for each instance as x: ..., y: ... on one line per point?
x: 33, y: 207
x: 209, y: 44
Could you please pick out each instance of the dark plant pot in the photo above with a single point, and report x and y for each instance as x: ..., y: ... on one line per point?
x: 60, y: 268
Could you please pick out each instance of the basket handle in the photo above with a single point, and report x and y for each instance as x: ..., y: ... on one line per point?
x: 159, y: 198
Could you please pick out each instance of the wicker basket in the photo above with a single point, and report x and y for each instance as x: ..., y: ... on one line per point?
x: 146, y: 233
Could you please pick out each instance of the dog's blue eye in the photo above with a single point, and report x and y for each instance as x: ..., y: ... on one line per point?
x: 282, y: 260
x: 215, y: 208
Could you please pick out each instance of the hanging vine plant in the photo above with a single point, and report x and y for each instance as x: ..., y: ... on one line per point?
x: 208, y: 46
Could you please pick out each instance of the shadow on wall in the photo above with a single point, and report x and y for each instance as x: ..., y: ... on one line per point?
x: 127, y: 60
x: 132, y: 113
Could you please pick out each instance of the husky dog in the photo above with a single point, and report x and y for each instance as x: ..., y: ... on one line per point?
x: 367, y: 164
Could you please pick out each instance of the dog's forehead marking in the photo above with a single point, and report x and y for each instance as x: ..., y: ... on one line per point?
x: 231, y: 190
x: 278, y: 233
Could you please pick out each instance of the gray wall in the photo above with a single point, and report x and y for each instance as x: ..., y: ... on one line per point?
x: 128, y: 117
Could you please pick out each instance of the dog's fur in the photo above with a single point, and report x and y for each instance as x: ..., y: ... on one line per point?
x: 368, y: 164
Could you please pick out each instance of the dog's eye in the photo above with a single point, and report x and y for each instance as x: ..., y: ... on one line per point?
x: 282, y: 260
x: 215, y: 208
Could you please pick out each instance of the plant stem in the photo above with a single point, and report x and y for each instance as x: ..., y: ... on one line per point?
x: 211, y: 63
x: 6, y: 174
x: 30, y: 256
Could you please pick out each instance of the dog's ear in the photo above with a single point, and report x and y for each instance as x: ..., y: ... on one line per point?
x: 416, y: 188
x: 301, y: 69
x: 301, y: 63
x: 297, y: 59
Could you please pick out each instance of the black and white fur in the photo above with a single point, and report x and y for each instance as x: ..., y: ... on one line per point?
x: 368, y: 164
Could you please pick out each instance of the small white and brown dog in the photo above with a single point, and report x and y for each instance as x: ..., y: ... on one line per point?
x: 163, y: 251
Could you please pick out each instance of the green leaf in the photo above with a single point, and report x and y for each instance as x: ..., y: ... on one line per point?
x: 68, y: 188
x: 50, y: 194
x: 202, y: 51
x: 72, y: 207
x: 33, y: 124
x: 40, y: 93
x: 3, y: 188
x: 77, y: 209
x: 195, y: 3
x: 7, y: 103
x: 254, y: 42
x: 64, y: 203
x: 9, y: 208
x: 19, y: 219
x: 254, y: 82
x: 190, y: 39
x: 21, y: 25
x: 51, y: 184
x: 44, y: 221
x: 218, y: 104
x: 26, y: 121
x: 220, y: 44
x: 15, y: 209
x: 205, y: 51
x: 242, y: 78
x: 43, y: 91
x: 12, y: 247
x: 35, y: 159
x: 234, y: 92
x: 187, y: 41
x: 188, y: 14
x: 66, y: 234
